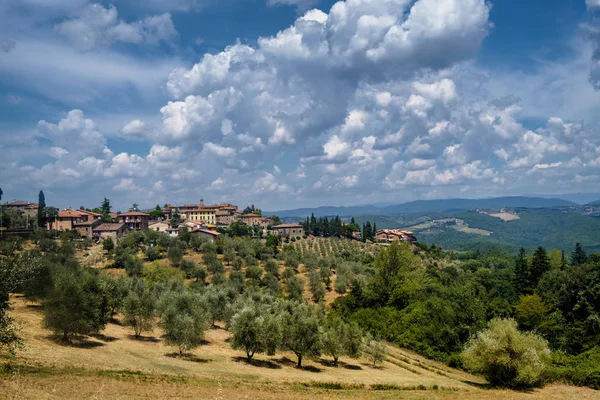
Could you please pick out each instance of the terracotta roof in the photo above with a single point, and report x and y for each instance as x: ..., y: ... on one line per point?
x: 19, y: 203
x: 89, y: 213
x: 109, y: 227
x: 286, y: 226
x: 134, y: 214
x: 213, y: 233
x: 250, y: 215
x: 69, y: 214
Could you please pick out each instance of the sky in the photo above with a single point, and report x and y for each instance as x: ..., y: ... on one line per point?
x: 297, y: 103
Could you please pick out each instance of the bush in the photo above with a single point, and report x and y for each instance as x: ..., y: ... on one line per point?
x: 108, y: 245
x: 375, y: 350
x: 175, y: 255
x: 506, y: 356
x: 152, y: 254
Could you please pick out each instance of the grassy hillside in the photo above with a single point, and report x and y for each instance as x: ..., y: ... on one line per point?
x: 546, y: 227
x: 116, y: 366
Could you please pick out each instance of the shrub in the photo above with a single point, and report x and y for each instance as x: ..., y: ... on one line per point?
x: 152, y: 254
x: 506, y: 356
x: 108, y: 245
x: 175, y: 255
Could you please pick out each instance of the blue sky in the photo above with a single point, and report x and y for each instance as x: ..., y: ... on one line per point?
x: 286, y: 103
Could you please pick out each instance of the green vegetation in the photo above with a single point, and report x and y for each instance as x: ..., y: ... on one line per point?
x: 506, y: 356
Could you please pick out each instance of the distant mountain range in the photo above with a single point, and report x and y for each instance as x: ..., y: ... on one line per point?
x: 426, y: 206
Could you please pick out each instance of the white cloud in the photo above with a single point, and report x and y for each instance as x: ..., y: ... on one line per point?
x: 592, y: 4
x: 268, y: 183
x: 135, y: 128
x: 96, y: 27
x: 219, y: 151
x: 125, y: 185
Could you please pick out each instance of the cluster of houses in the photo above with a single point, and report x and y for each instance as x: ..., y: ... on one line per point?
x: 200, y: 219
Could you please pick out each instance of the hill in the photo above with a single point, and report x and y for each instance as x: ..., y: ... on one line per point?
x: 426, y: 206
x: 560, y: 229
x: 124, y: 368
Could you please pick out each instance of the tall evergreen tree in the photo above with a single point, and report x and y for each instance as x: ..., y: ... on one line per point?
x: 578, y: 257
x: 40, y: 213
x: 368, y: 232
x: 374, y: 231
x: 540, y: 263
x: 521, y: 271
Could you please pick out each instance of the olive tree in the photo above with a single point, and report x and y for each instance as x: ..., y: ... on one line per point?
x: 506, y: 356
x: 76, y: 305
x: 138, y: 307
x: 255, y: 330
x: 302, y: 330
x: 375, y: 350
x: 342, y: 339
x: 184, y: 319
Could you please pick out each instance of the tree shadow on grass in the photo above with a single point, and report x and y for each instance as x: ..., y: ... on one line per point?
x: 257, y: 363
x: 78, y: 342
x: 147, y: 339
x: 104, y: 338
x: 188, y: 357
x: 35, y: 306
x: 489, y: 386
x: 341, y: 364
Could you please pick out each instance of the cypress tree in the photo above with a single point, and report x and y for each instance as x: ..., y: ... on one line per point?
x: 40, y: 213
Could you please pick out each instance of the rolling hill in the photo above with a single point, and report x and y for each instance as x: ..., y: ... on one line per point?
x: 426, y: 206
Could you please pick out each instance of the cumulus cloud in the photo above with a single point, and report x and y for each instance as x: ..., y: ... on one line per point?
x: 372, y: 100
x: 592, y: 4
x: 96, y: 27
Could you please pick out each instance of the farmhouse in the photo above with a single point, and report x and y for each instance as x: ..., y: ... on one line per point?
x: 136, y: 221
x: 113, y: 231
x: 392, y: 235
x: 288, y: 230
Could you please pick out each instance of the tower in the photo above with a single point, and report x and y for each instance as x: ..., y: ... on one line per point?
x: 201, y: 201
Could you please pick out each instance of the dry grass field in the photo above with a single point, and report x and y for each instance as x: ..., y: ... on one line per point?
x: 115, y: 366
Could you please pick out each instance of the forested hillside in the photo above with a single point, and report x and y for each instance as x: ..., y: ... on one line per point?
x: 550, y: 228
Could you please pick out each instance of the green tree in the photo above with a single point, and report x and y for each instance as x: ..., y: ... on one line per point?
x: 342, y: 339
x: 15, y: 270
x: 521, y: 271
x: 108, y: 245
x: 184, y: 319
x: 579, y: 257
x: 41, y: 218
x: 138, y: 307
x: 255, y: 330
x: 134, y: 208
x: 272, y: 267
x: 302, y: 331
x: 76, y: 305
x: 105, y: 208
x: 175, y: 255
x: 157, y: 213
x: 217, y: 301
x: 506, y: 356
x: 152, y: 254
x: 530, y: 312
x: 295, y: 288
x: 316, y: 286
x: 176, y: 219
x: 540, y: 264
x: 375, y: 350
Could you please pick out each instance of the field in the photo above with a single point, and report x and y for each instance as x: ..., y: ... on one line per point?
x: 115, y: 365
